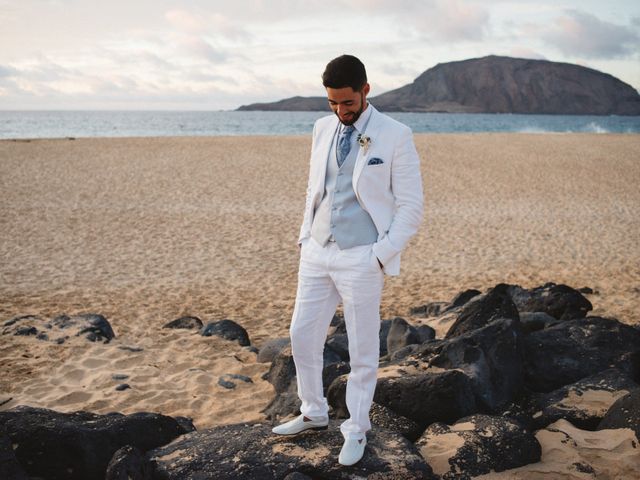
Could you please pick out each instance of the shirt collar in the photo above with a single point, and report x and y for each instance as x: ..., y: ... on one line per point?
x: 361, y: 123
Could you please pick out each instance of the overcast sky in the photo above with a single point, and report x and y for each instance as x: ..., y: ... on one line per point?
x: 211, y: 55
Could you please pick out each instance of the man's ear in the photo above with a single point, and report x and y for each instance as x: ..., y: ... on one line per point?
x: 366, y: 88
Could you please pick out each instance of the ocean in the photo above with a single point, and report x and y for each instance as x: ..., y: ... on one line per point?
x: 62, y: 124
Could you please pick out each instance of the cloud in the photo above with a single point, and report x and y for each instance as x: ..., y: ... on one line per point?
x: 457, y: 20
x: 121, y: 78
x: 221, y: 24
x: 7, y: 71
x: 525, y: 52
x: 436, y: 20
x: 206, y: 23
x: 580, y: 33
x: 185, y: 21
x: 196, y: 46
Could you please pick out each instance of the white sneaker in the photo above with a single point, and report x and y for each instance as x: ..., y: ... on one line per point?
x: 352, y: 451
x: 300, y: 424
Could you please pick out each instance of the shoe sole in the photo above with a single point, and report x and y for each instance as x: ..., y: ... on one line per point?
x: 325, y: 427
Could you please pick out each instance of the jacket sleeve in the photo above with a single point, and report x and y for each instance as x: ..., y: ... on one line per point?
x: 305, y: 229
x: 406, y: 187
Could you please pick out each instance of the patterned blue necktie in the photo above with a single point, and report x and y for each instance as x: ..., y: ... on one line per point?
x: 344, y: 144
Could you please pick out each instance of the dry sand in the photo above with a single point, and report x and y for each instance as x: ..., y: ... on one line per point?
x: 144, y: 230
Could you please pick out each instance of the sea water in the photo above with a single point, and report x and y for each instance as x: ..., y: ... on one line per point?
x: 61, y: 124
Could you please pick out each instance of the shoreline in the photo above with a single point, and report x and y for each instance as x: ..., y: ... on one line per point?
x: 301, y: 135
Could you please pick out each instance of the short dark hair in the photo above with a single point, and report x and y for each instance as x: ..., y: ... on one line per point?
x: 345, y: 71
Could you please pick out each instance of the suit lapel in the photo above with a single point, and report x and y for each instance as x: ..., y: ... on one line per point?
x: 322, y: 152
x: 371, y: 131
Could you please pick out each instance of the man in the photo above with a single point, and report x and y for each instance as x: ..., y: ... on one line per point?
x: 364, y: 202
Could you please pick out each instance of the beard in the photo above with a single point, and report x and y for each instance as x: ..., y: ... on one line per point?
x: 354, y: 115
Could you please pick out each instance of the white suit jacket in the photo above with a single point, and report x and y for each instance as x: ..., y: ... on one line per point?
x: 390, y: 191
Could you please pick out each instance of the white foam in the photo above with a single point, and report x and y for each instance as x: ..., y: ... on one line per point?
x: 593, y: 127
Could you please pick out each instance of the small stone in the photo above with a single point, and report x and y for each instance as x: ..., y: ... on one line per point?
x: 123, y: 386
x: 237, y: 376
x: 187, y: 322
x: 224, y: 381
x: 62, y: 321
x: 26, y: 331
x: 131, y: 349
x: 119, y: 376
x: 226, y: 384
x: 227, y: 329
x: 96, y: 327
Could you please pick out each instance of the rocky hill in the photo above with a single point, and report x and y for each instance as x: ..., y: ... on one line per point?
x: 496, y: 84
x: 293, y: 104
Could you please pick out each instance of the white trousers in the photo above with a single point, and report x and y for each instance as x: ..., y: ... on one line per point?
x: 326, y: 276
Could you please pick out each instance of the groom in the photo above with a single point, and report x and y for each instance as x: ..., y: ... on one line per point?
x: 364, y: 202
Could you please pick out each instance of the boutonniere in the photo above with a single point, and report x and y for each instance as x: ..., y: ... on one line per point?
x: 364, y: 141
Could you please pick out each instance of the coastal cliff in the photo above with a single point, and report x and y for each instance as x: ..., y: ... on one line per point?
x: 497, y: 84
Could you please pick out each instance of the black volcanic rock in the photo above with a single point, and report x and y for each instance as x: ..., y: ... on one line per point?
x: 271, y: 348
x: 482, y: 309
x: 490, y: 356
x: 243, y: 451
x: 282, y: 370
x: 487, y: 443
x: 128, y: 463
x: 496, y: 84
x: 401, y: 334
x: 188, y: 322
x: 433, y: 309
x: 570, y: 351
x: 92, y: 326
x: 227, y: 329
x: 79, y: 445
x: 559, y: 301
x: 624, y: 413
x: 386, y: 418
x: 572, y: 403
x: 443, y: 396
x: 10, y: 469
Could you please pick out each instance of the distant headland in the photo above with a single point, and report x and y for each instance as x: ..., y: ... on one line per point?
x: 496, y: 84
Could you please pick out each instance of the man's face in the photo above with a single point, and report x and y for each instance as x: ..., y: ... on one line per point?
x: 347, y: 103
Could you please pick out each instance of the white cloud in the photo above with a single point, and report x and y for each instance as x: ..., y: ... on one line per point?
x: 526, y: 52
x: 184, y: 20
x: 229, y: 29
x: 206, y: 23
x: 577, y: 33
x: 436, y: 20
x: 198, y: 47
x: 7, y: 71
x: 457, y: 20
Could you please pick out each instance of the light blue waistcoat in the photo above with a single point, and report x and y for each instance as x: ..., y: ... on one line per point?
x: 339, y: 217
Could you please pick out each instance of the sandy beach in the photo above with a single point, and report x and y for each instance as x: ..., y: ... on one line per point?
x: 145, y: 230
